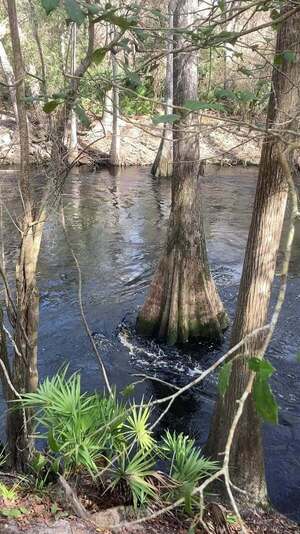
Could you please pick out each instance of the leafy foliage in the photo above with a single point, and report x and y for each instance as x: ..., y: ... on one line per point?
x: 165, y: 119
x: 265, y: 401
x: 136, y: 427
x: 90, y: 431
x: 137, y: 471
x: 186, y: 466
x: 8, y: 493
x: 224, y: 377
x: 50, y: 5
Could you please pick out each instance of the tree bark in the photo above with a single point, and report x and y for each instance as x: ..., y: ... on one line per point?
x: 73, y: 147
x: 107, y: 111
x: 247, y: 458
x: 24, y: 368
x: 163, y: 163
x: 25, y: 320
x: 8, y: 72
x: 115, y: 150
x: 35, y: 32
x: 183, y: 303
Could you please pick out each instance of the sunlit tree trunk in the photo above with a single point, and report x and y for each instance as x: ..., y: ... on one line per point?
x: 8, y: 72
x: 163, y: 163
x: 115, y: 150
x: 246, y: 458
x: 183, y: 303
x: 73, y: 147
x: 107, y: 115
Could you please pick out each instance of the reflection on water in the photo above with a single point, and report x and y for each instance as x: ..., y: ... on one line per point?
x: 116, y: 224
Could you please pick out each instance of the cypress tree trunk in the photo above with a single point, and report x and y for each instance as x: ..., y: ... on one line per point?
x: 163, y: 163
x: 247, y: 458
x: 183, y: 303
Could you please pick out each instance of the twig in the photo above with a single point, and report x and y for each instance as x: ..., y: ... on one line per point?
x: 72, y: 499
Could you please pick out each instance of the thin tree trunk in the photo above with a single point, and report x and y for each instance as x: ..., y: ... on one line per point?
x: 36, y: 35
x: 24, y: 369
x: 73, y: 148
x: 183, y: 303
x: 163, y: 163
x: 247, y: 459
x: 115, y: 150
x: 229, y: 26
x: 107, y: 111
x: 9, y: 76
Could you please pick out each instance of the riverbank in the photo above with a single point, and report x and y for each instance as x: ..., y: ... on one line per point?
x: 140, y: 139
x: 37, y: 512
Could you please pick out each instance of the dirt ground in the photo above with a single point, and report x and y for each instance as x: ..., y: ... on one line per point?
x: 46, y: 511
x: 219, y: 142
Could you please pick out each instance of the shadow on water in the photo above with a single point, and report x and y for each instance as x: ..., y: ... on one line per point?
x: 116, y: 224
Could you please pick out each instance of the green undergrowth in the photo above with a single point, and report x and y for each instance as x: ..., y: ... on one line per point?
x: 111, y: 441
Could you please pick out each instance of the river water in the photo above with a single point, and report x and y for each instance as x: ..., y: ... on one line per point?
x: 116, y: 224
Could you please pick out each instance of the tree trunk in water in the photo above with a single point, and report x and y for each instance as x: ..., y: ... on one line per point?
x: 115, y: 150
x: 246, y: 457
x: 73, y: 147
x: 24, y: 367
x: 183, y: 303
x: 163, y: 163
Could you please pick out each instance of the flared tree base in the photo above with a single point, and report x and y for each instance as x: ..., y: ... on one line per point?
x: 183, y: 304
x: 210, y: 331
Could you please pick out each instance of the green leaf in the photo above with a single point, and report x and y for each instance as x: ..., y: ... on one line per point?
x: 122, y: 22
x: 231, y: 519
x: 51, y: 105
x: 265, y: 401
x: 224, y: 93
x: 13, y: 513
x: 50, y: 5
x: 226, y: 37
x: 52, y: 442
x: 222, y: 5
x: 274, y: 14
x: 193, y: 105
x: 55, y: 466
x: 245, y: 71
x: 92, y: 9
x: 99, y: 55
x: 81, y: 114
x: 133, y: 78
x: 23, y: 510
x: 38, y: 462
x: 246, y: 96
x: 287, y: 55
x: 261, y: 367
x: 224, y: 377
x: 128, y: 390
x: 54, y: 508
x: 74, y: 12
x: 165, y: 119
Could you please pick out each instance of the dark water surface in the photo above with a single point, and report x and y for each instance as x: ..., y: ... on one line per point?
x: 116, y: 225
